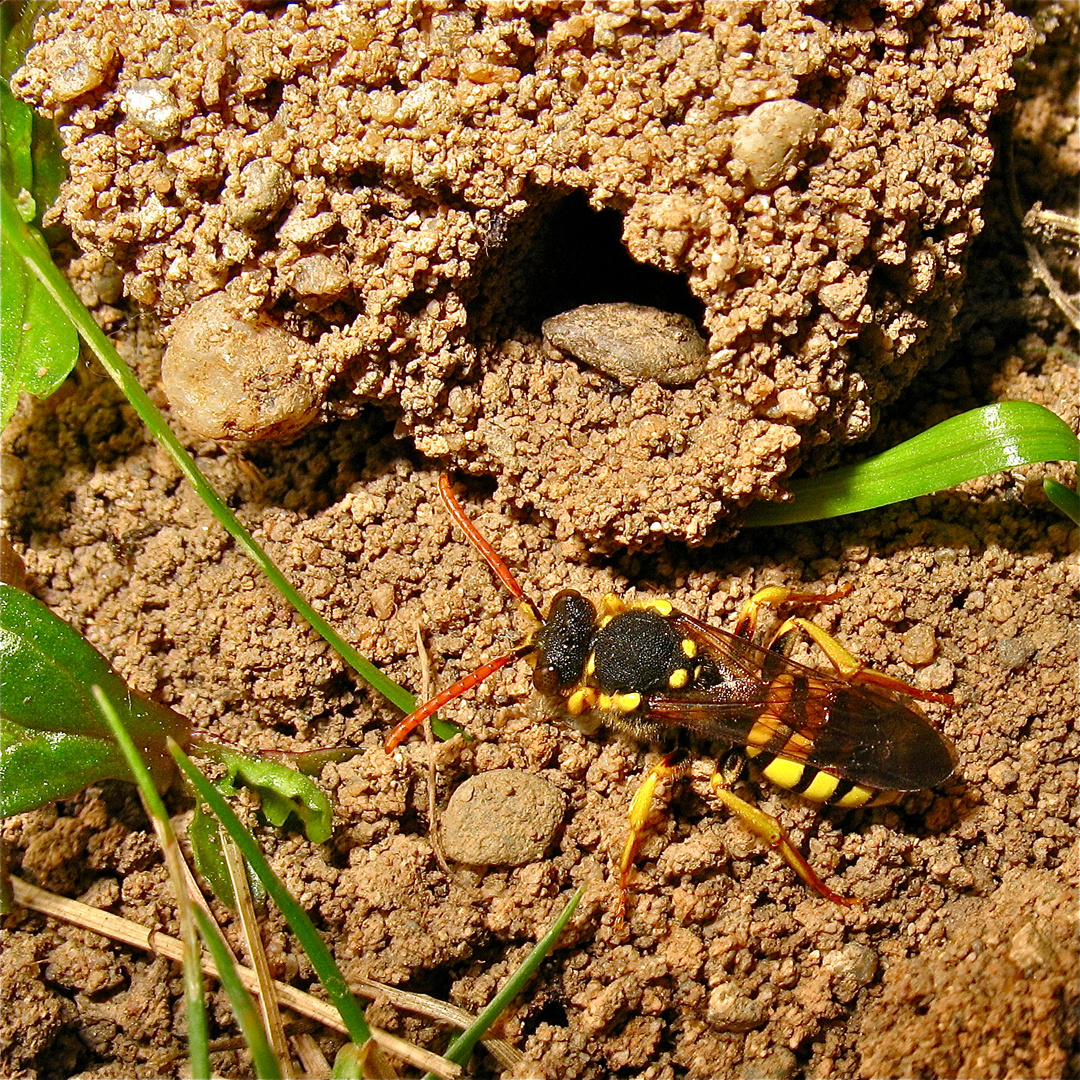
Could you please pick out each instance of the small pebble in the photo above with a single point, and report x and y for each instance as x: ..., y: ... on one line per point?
x: 780, y: 1064
x: 79, y: 63
x: 852, y: 967
x: 1002, y: 774
x: 730, y: 1009
x: 630, y: 342
x: 318, y: 276
x: 504, y: 817
x: 265, y: 187
x: 108, y: 282
x: 771, y: 141
x: 1014, y: 652
x: 227, y: 379
x: 918, y: 646
x: 1031, y: 950
x: 151, y: 107
x: 383, y: 601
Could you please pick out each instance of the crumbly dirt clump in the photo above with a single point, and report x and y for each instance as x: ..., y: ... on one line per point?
x: 411, y: 189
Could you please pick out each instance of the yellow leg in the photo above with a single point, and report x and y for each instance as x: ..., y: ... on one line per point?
x: 773, y: 596
x: 850, y: 667
x: 772, y: 832
x: 847, y: 665
x: 639, y: 816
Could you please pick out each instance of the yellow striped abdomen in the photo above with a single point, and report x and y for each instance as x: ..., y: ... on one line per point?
x: 811, y: 783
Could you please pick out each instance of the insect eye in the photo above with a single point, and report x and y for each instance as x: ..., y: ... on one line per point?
x: 564, y: 598
x: 546, y: 679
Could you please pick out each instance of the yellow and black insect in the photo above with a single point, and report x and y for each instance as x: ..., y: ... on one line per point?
x: 651, y: 671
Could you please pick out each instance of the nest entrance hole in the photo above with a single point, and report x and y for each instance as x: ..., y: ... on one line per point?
x: 562, y: 254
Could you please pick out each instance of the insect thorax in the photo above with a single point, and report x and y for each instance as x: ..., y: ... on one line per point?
x: 600, y: 666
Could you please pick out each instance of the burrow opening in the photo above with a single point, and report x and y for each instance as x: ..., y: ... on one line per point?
x: 560, y: 255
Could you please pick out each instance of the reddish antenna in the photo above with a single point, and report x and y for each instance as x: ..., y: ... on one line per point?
x: 480, y: 542
x: 502, y: 572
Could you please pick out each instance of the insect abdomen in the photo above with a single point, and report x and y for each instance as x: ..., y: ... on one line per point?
x: 810, y: 783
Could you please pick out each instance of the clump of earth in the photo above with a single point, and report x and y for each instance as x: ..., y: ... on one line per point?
x: 398, y: 199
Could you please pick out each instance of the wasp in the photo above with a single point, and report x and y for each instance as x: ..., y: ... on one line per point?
x: 850, y: 737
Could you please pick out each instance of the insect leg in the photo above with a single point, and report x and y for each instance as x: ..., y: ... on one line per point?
x: 671, y: 764
x: 849, y: 666
x: 773, y: 596
x: 772, y: 832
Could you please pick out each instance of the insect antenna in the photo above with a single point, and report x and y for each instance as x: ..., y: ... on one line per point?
x: 474, y: 678
x: 480, y: 542
x: 502, y: 572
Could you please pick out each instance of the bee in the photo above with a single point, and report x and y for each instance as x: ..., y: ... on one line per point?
x: 848, y: 738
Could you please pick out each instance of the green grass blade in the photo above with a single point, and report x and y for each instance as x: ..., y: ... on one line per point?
x: 1065, y: 499
x: 967, y: 446
x: 348, y: 1063
x: 36, y: 257
x: 310, y: 940
x: 267, y: 1066
x: 194, y: 998
x: 460, y: 1050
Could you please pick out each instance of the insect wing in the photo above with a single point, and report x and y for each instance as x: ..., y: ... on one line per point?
x: 860, y: 732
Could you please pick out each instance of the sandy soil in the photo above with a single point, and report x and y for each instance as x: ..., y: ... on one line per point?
x: 962, y: 963
x: 408, y: 196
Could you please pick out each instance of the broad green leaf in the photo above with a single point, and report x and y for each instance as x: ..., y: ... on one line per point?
x: 205, y: 840
x: 33, y: 156
x: 38, y: 343
x: 284, y: 791
x: 38, y: 346
x: 17, y: 119
x: 50, y: 168
x: 47, y: 669
x: 959, y: 449
x: 37, y: 767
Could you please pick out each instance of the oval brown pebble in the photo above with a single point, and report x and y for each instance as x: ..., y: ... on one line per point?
x: 505, y: 817
x: 228, y: 379
x: 631, y: 342
x: 265, y: 186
